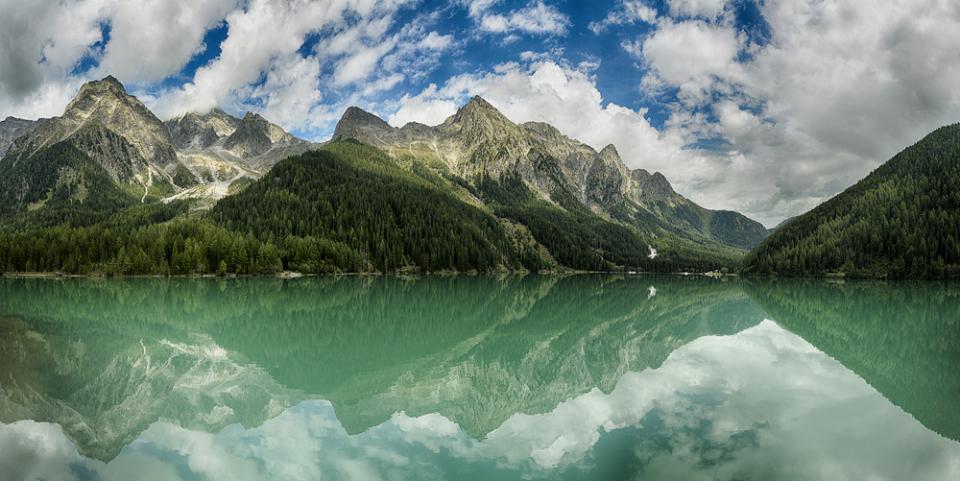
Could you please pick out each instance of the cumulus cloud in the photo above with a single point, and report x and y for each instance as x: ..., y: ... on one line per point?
x: 697, y: 8
x: 837, y: 89
x: 267, y: 32
x: 536, y: 18
x: 154, y: 39
x: 626, y: 12
x: 691, y: 55
x: 36, y: 57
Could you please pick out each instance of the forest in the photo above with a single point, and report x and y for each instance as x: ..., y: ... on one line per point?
x: 349, y: 207
x: 901, y: 221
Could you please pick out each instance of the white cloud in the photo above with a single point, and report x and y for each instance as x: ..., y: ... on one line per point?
x: 359, y: 65
x: 435, y: 41
x: 37, y: 57
x: 710, y: 9
x: 153, y: 39
x: 257, y: 36
x: 289, y: 92
x: 626, y: 12
x: 690, y: 55
x: 425, y: 108
x: 536, y: 18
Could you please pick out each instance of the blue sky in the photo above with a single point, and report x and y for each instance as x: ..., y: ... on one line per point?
x: 767, y: 107
x: 616, y: 71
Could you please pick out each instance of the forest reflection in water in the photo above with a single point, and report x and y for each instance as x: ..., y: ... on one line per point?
x: 580, y: 377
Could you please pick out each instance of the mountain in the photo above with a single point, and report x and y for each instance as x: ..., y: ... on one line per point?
x: 117, y: 132
x: 369, y: 213
x: 902, y: 220
x: 105, y: 103
x: 477, y: 192
x: 254, y: 136
x: 201, y: 156
x: 200, y: 131
x: 11, y: 128
x: 225, y: 152
x: 479, y: 142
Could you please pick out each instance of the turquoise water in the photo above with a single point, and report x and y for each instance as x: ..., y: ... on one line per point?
x: 478, y: 378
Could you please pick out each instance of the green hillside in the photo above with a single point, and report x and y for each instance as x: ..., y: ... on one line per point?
x: 901, y: 221
x: 58, y: 185
x: 355, y: 196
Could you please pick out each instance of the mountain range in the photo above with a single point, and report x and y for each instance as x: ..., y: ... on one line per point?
x: 210, y: 192
x: 526, y: 195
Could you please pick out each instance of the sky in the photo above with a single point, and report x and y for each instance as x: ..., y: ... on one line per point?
x: 767, y: 107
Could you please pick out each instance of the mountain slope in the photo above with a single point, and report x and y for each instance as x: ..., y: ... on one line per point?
x: 107, y: 103
x: 356, y: 198
x: 480, y: 142
x: 224, y: 152
x: 115, y: 130
x: 59, y: 185
x: 11, y: 128
x: 902, y: 220
x: 199, y: 131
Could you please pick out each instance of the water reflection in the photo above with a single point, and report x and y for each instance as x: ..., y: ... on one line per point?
x: 449, y: 378
x: 902, y: 338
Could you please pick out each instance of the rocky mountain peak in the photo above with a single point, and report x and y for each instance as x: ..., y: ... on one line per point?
x: 356, y: 115
x: 195, y: 130
x: 107, y: 103
x: 479, y: 122
x: 610, y: 152
x: 358, y: 124
x: 651, y: 186
x: 255, y: 135
x: 478, y: 110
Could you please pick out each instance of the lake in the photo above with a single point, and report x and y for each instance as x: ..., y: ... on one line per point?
x: 479, y: 378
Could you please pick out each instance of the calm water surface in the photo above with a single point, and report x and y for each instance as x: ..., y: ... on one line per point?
x: 472, y: 378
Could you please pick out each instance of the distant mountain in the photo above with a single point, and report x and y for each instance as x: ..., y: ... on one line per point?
x: 479, y: 142
x: 200, y: 131
x: 369, y: 213
x: 197, y: 155
x: 902, y: 220
x: 477, y: 192
x: 11, y: 128
x: 225, y: 152
x: 105, y: 104
x: 117, y: 132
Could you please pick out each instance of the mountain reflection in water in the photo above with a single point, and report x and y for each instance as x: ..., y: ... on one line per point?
x: 581, y: 377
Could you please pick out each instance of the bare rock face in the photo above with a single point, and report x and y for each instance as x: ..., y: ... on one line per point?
x: 254, y: 136
x: 100, y: 106
x: 359, y: 124
x: 194, y: 155
x: 194, y: 131
x: 480, y: 141
x: 11, y: 128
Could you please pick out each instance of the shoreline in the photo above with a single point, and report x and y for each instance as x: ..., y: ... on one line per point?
x: 298, y: 275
